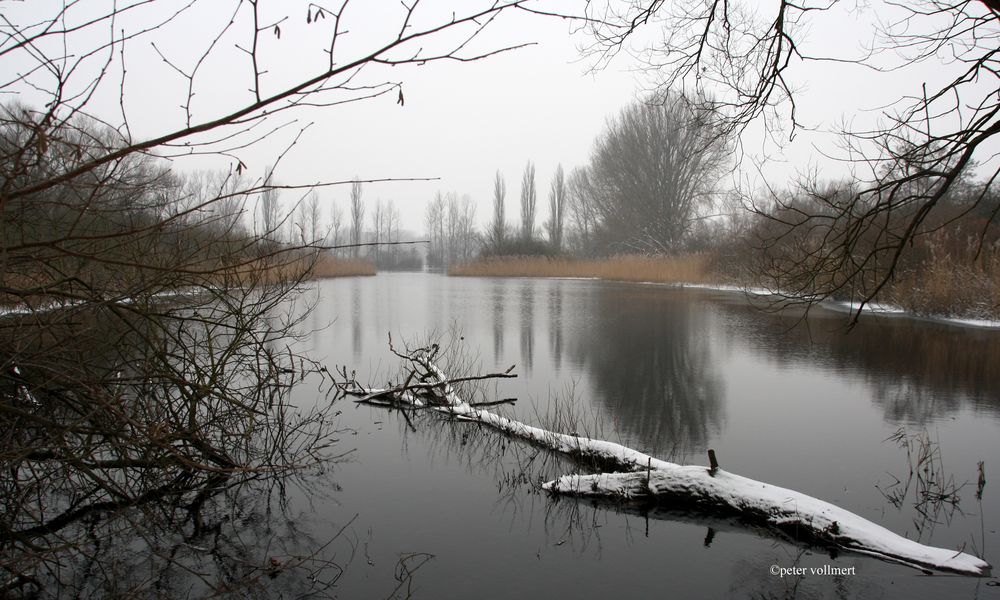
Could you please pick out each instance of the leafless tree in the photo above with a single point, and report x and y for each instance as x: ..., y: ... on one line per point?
x: 309, y: 220
x: 336, y: 224
x: 145, y: 351
x: 385, y: 232
x: 452, y: 224
x: 496, y: 231
x: 557, y: 209
x: 139, y: 363
x: 583, y: 213
x: 357, y: 216
x: 390, y: 233
x: 451, y: 228
x: 378, y: 221
x: 462, y: 213
x: 270, y: 209
x: 651, y: 171
x: 528, y: 201
x: 232, y: 207
x: 436, y: 216
x: 907, y: 164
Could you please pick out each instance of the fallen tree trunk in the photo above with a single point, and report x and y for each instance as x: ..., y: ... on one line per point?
x: 641, y: 479
x: 802, y: 517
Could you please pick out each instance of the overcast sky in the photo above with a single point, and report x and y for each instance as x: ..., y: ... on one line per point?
x: 461, y: 121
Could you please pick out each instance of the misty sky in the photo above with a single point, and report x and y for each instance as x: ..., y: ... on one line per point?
x: 462, y: 121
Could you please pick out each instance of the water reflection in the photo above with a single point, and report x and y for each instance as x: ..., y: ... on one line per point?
x: 556, y: 325
x: 654, y: 354
x: 578, y: 523
x: 917, y: 371
x: 675, y: 370
x: 920, y: 372
x: 499, y: 299
x: 651, y: 361
x: 753, y: 576
x: 231, y: 541
x: 526, y: 294
x: 134, y: 443
x: 356, y: 318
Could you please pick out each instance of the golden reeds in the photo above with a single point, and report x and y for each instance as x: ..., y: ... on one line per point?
x: 294, y: 268
x: 328, y: 266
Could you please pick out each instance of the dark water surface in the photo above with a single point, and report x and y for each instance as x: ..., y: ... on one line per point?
x: 671, y: 372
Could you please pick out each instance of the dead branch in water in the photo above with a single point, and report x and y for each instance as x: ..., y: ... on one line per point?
x: 644, y: 479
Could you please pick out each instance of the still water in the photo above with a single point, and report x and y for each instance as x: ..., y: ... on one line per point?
x: 671, y: 372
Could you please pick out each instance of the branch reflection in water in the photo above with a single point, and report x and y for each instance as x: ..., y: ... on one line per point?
x: 576, y: 523
x: 679, y: 490
x: 761, y: 365
x: 155, y: 454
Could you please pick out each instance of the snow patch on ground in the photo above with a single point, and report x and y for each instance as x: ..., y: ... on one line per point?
x: 24, y: 310
x: 873, y: 308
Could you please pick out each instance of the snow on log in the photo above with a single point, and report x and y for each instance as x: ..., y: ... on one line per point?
x: 646, y: 479
x: 805, y: 517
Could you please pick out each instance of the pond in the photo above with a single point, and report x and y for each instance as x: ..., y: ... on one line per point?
x: 672, y: 372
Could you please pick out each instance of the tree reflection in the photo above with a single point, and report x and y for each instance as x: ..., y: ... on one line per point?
x: 498, y: 293
x: 356, y: 317
x: 651, y: 362
x: 921, y: 372
x: 232, y: 537
x: 918, y: 371
x: 152, y: 455
x: 527, y: 303
x: 556, y: 324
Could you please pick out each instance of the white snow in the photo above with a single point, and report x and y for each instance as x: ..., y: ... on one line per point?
x: 24, y: 309
x: 778, y: 506
x: 874, y: 308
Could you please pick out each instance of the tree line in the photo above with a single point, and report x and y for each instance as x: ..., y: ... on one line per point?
x: 368, y: 232
x: 657, y: 184
x: 651, y: 175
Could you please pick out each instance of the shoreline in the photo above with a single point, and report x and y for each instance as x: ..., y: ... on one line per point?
x: 841, y: 306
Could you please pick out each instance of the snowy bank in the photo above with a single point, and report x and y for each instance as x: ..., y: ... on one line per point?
x: 850, y: 307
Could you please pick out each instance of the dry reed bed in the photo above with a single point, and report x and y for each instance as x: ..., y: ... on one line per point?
x: 693, y: 268
x: 272, y: 271
x: 328, y: 266
x: 943, y: 286
x: 298, y: 268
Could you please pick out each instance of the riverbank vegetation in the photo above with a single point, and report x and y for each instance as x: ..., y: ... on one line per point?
x: 144, y: 369
x: 922, y: 168
x: 652, y: 205
x: 913, y: 223
x: 328, y: 266
x: 324, y: 265
x: 946, y: 274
